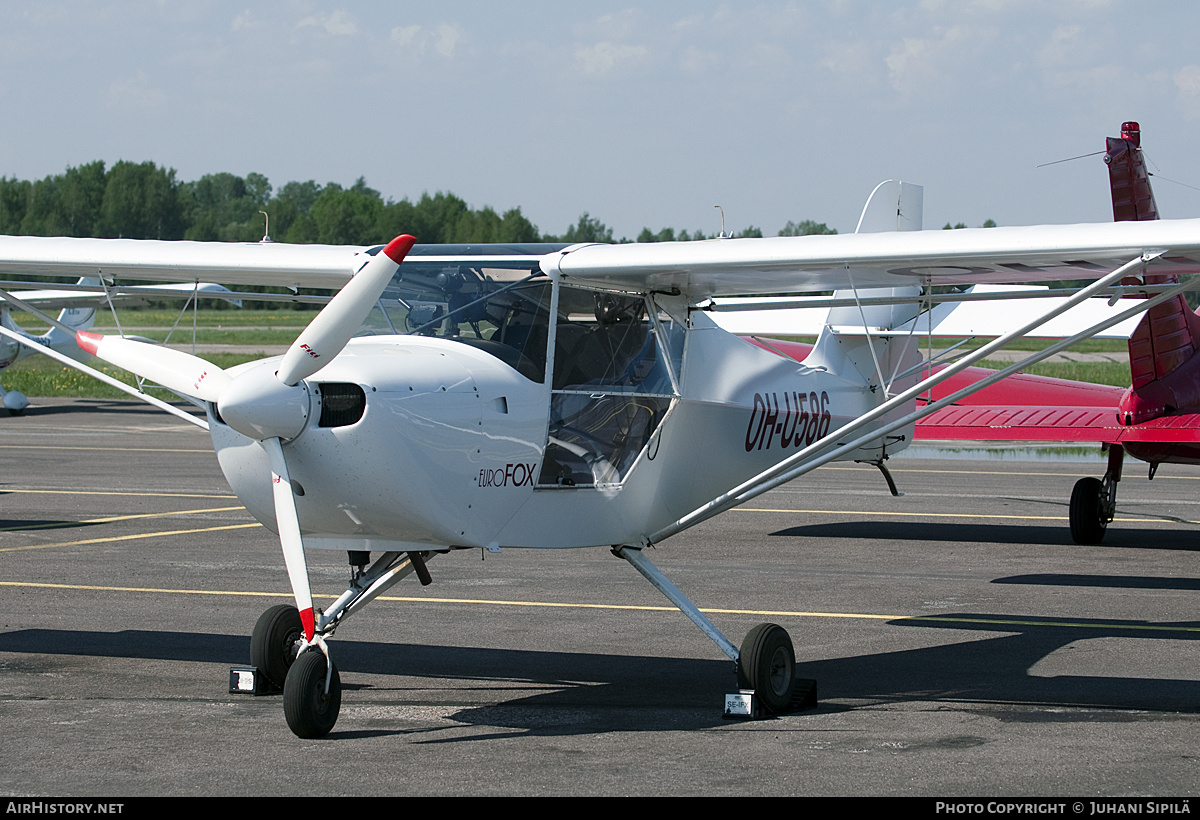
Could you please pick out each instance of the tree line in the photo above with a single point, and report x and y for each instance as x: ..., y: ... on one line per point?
x: 143, y: 201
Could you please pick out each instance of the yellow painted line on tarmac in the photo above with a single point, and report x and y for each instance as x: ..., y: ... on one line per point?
x: 64, y: 525
x: 94, y: 588
x: 1002, y: 623
x: 134, y: 537
x: 134, y: 493
x: 1073, y: 474
x: 898, y: 514
x: 109, y: 449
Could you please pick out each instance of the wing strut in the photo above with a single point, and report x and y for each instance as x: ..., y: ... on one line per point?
x: 819, y: 452
x: 107, y: 379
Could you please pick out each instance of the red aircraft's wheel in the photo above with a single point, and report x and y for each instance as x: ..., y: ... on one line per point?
x: 1088, y: 521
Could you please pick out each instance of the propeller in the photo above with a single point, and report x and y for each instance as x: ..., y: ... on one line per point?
x: 266, y: 403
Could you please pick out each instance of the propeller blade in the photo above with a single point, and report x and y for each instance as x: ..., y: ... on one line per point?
x: 173, y: 369
x: 288, y: 524
x: 332, y: 328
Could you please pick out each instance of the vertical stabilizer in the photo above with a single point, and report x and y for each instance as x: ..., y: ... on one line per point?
x: 1162, y: 350
x: 893, y: 206
x: 1132, y: 197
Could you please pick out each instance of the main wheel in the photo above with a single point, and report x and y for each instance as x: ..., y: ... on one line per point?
x: 1088, y: 521
x: 274, y: 641
x: 767, y: 664
x: 309, y: 709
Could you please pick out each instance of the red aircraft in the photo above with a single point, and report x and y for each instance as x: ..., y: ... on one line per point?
x: 1156, y: 420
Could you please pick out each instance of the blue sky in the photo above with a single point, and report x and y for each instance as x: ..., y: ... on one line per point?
x: 643, y: 114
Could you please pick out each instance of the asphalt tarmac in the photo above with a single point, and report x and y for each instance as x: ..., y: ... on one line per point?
x: 961, y: 644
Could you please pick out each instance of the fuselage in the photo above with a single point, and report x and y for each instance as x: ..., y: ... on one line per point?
x: 616, y: 419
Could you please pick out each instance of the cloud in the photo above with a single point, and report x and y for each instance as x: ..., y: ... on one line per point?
x: 243, y: 21
x: 441, y: 40
x: 136, y: 92
x: 1187, y: 81
x: 607, y: 58
x: 339, y: 23
x: 923, y: 65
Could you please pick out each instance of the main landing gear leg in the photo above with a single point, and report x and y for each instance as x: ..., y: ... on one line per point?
x: 766, y: 662
x: 1094, y: 501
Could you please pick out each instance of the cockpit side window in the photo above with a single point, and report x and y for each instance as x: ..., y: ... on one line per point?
x: 611, y: 388
x: 607, y: 340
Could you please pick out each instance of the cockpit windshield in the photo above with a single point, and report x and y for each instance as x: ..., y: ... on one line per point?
x: 500, y: 308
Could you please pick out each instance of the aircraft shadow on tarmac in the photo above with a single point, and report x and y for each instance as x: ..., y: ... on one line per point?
x: 10, y: 525
x: 1117, y: 536
x: 1056, y: 579
x: 569, y: 693
x: 118, y: 407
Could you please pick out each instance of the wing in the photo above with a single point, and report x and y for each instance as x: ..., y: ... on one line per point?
x: 82, y: 295
x: 696, y: 269
x: 257, y: 263
x: 996, y: 312
x: 722, y: 267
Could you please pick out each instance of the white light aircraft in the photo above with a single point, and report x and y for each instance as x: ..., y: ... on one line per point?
x: 78, y: 303
x: 567, y: 397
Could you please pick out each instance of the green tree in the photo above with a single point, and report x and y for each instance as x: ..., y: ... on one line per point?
x: 587, y: 229
x: 436, y: 218
x: 665, y: 235
x: 141, y: 201
x: 220, y: 207
x: 14, y: 199
x: 806, y: 227
x: 81, y: 195
x: 514, y: 227
x: 347, y: 216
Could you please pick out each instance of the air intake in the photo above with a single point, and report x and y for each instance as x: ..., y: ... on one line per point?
x: 341, y: 404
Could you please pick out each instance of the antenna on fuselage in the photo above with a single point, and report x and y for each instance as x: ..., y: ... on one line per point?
x: 266, y: 227
x: 722, y: 234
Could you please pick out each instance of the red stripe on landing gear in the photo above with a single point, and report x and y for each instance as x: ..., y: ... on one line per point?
x: 310, y: 626
x: 88, y: 341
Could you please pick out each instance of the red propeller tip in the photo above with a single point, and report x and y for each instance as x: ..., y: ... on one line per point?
x: 399, y: 247
x: 88, y: 341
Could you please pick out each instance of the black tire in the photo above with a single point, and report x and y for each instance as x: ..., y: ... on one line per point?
x: 767, y: 664
x: 1088, y: 521
x: 310, y: 712
x: 274, y: 641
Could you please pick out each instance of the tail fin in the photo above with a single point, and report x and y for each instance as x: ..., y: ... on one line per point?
x: 1168, y: 336
x: 1132, y: 197
x: 77, y: 318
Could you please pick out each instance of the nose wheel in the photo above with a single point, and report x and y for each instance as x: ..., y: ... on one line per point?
x: 312, y: 695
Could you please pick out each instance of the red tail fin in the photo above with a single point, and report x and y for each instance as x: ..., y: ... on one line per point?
x: 1168, y: 336
x: 1132, y: 197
